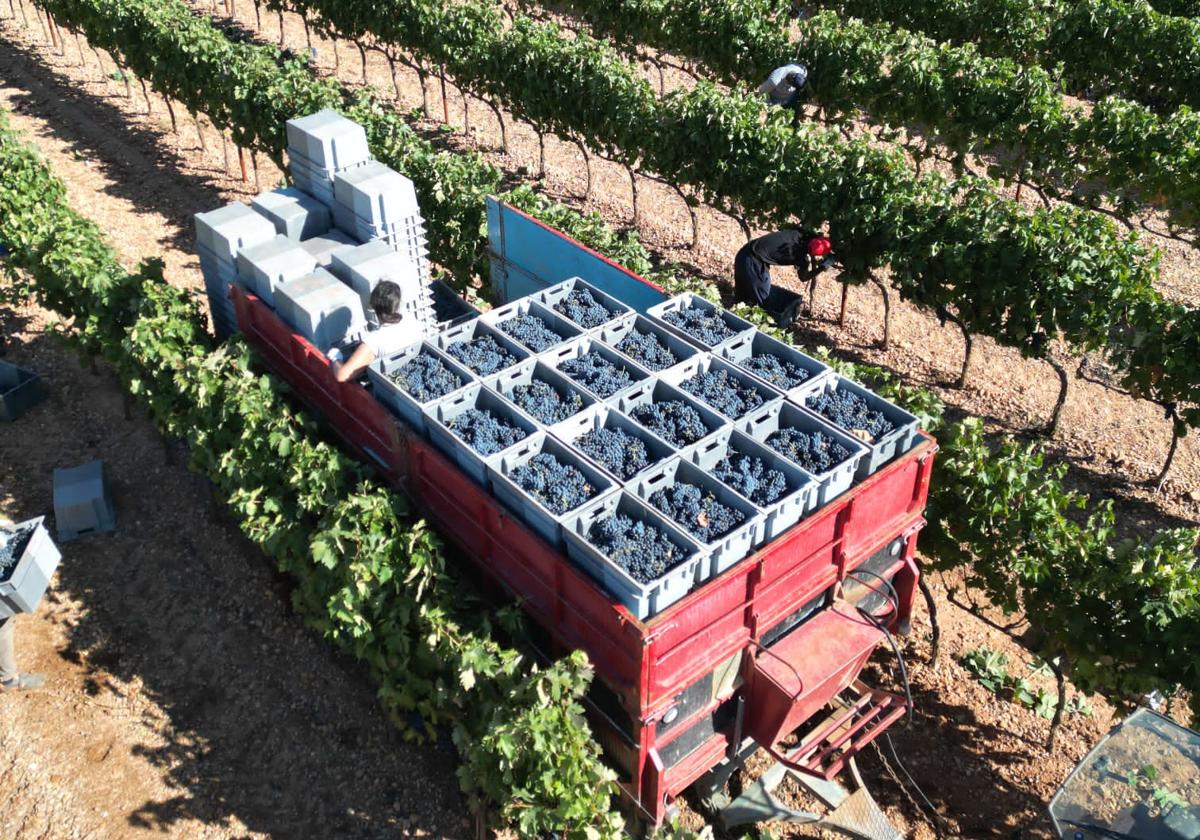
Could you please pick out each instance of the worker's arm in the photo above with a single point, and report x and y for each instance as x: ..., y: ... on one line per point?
x: 766, y: 86
x: 356, y: 364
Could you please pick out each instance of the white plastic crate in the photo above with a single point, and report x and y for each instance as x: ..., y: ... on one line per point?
x: 363, y: 266
x: 82, y: 503
x: 524, y: 373
x: 688, y: 300
x: 23, y: 583
x: 615, y: 333
x: 329, y: 140
x: 897, y: 442
x: 441, y: 413
x: 556, y: 294
x: 602, y: 416
x: 802, y: 488
x: 321, y: 308
x: 544, y: 522
x: 324, y: 247
x: 760, y: 425
x: 747, y: 346
x: 657, y: 391
x: 376, y: 194
x: 471, y: 330
x: 585, y: 345
x: 295, y: 214
x: 20, y: 390
x: 641, y: 599
x: 399, y: 400
x: 269, y: 264
x: 560, y: 326
x: 228, y: 229
x: 703, y: 363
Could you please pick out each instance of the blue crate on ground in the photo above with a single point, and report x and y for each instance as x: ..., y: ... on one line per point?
x: 560, y: 326
x: 25, y: 579
x: 262, y: 268
x: 734, y: 324
x: 295, y: 214
x: 741, y: 349
x: 468, y: 332
x: 557, y: 294
x: 532, y: 511
x: 760, y: 425
x: 20, y: 390
x: 529, y: 371
x: 656, y: 391
x: 799, y: 497
x: 448, y: 306
x: 901, y: 439
x: 82, y: 503
x: 703, y: 363
x: 440, y: 413
x: 404, y: 404
x: 602, y: 416
x: 724, y: 551
x: 583, y: 346
x: 641, y: 599
x: 628, y: 328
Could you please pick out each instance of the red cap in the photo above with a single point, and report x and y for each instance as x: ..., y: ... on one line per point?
x: 819, y: 246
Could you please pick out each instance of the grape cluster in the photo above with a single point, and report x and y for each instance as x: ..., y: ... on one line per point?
x: 560, y: 487
x: 619, y: 452
x: 815, y: 451
x: 582, y: 307
x: 674, y: 421
x: 531, y: 331
x: 597, y: 373
x: 705, y: 324
x: 484, y: 432
x: 726, y: 393
x: 848, y: 410
x: 698, y: 512
x: 643, y: 550
x: 750, y: 476
x: 426, y: 378
x: 648, y: 351
x: 12, y: 546
x: 483, y: 355
x: 779, y: 372
x: 539, y: 399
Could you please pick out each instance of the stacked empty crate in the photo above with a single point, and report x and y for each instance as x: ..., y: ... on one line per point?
x: 316, y: 251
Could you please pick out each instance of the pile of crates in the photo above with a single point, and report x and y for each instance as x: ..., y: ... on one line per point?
x: 315, y: 251
x: 778, y: 408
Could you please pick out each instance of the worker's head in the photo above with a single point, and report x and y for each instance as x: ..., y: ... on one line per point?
x: 387, y: 302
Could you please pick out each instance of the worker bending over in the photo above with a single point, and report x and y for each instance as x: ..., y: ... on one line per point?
x: 809, y: 252
x: 783, y: 88
x: 393, y: 333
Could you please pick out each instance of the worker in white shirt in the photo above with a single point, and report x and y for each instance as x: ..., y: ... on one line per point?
x: 393, y: 333
x: 783, y: 88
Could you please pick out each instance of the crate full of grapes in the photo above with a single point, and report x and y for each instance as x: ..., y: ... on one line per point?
x: 721, y: 386
x: 475, y: 425
x: 542, y: 480
x: 670, y: 414
x: 582, y: 304
x: 613, y: 442
x: 409, y: 380
x: 542, y: 393
x: 725, y: 524
x: 646, y: 342
x: 781, y: 490
x: 699, y: 320
x: 883, y: 426
x: 830, y: 455
x: 28, y: 558
x: 592, y: 365
x: 643, y: 560
x: 481, y: 348
x: 770, y: 360
x: 531, y: 325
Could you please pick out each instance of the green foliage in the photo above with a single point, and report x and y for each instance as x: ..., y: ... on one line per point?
x: 990, y: 667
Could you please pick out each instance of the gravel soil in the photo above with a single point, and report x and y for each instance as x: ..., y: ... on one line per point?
x: 185, y: 699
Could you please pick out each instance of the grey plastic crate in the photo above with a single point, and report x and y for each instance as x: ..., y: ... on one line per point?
x: 784, y: 512
x: 897, y: 442
x: 449, y: 307
x: 328, y: 139
x: 557, y: 293
x: 531, y: 511
x: 321, y: 308
x: 719, y: 554
x: 376, y: 194
x: 687, y: 300
x: 706, y: 362
x: 229, y: 229
x: 363, y: 266
x: 23, y: 584
x: 324, y: 247
x: 641, y: 599
x: 655, y: 391
x: 295, y: 214
x: 524, y: 373
x: 475, y: 328
x: 442, y: 412
x: 264, y: 267
x: 760, y: 425
x: 404, y: 404
x: 560, y: 326
x: 20, y: 390
x: 742, y: 348
x: 82, y: 503
x: 606, y: 417
x: 615, y: 333
x: 582, y: 346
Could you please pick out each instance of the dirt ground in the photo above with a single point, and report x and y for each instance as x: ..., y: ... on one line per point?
x: 185, y: 699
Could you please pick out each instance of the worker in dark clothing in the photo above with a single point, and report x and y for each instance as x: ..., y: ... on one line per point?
x: 809, y: 252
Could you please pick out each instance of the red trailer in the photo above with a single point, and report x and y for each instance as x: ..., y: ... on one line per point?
x: 754, y: 654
